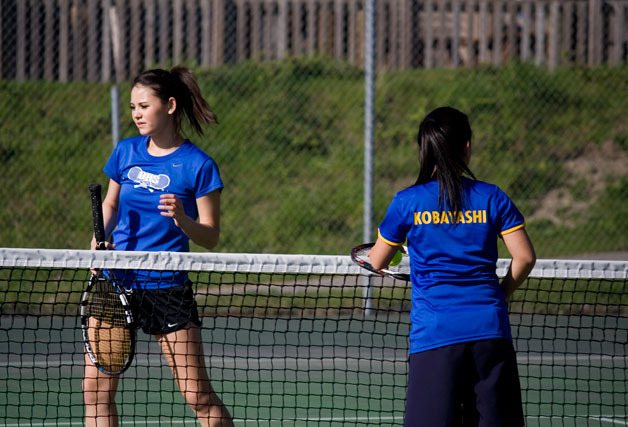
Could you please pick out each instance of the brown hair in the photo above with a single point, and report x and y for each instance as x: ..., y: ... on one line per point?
x: 179, y: 83
x: 443, y: 137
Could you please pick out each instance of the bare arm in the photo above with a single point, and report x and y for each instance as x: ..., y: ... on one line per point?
x: 109, y: 211
x: 381, y: 254
x: 204, y: 232
x: 523, y: 259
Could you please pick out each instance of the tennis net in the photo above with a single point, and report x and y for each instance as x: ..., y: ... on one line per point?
x: 303, y: 340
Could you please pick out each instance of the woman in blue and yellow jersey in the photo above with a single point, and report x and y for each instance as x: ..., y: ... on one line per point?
x: 462, y: 364
x: 163, y: 191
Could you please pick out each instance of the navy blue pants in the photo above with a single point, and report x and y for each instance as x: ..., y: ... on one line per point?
x: 469, y: 384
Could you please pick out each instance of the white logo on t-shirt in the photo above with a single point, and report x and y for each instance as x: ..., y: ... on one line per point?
x: 148, y: 180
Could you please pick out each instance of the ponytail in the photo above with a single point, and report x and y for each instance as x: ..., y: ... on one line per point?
x: 195, y: 107
x: 442, y: 138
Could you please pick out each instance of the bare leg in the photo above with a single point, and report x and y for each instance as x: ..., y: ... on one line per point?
x: 99, y: 394
x: 184, y: 351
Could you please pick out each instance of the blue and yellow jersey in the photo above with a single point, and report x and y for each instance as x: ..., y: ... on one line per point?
x: 455, y: 290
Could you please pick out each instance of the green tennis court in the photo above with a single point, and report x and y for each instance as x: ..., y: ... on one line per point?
x: 322, y: 379
x: 290, y: 378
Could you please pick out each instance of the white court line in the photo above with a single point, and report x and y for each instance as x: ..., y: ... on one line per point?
x: 601, y: 418
x: 249, y: 362
x: 604, y: 419
x: 235, y: 421
x: 613, y: 421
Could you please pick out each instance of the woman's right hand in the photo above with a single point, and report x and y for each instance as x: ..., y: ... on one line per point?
x: 94, y: 246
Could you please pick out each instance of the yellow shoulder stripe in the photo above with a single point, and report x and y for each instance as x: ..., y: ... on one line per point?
x: 515, y: 228
x: 379, y: 234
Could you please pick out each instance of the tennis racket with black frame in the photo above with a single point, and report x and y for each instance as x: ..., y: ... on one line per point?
x: 359, y: 255
x: 106, y: 317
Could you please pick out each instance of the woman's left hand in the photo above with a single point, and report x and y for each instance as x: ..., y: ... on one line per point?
x: 171, y: 207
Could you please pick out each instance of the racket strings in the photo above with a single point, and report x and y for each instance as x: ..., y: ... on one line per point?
x: 105, y: 305
x: 108, y: 333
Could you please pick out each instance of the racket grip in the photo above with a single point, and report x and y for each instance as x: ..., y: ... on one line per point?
x: 95, y: 191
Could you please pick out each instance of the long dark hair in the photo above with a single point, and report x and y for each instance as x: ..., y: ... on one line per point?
x: 443, y: 137
x: 180, y: 84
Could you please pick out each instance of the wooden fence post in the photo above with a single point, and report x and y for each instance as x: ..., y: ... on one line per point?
x: 511, y: 49
x: 440, y: 21
x: 581, y: 35
x: 48, y: 40
x: 135, y: 38
x: 268, y: 24
x: 218, y: 32
x: 525, y: 31
x: 566, y: 54
x: 297, y: 27
x: 20, y: 42
x: 116, y: 43
x: 64, y: 38
x: 1, y: 46
x: 240, y: 30
x: 282, y: 29
x: 78, y: 47
x: 497, y: 31
x: 35, y: 32
x: 553, y: 30
x: 470, y: 9
x: 339, y: 29
x: 618, y: 32
x: 595, y: 33
x: 310, y: 47
x: 191, y: 26
x: 149, y: 33
x: 92, y: 40
x: 206, y: 38
x: 177, y: 31
x: 352, y: 56
x: 256, y: 29
x: 105, y: 75
x: 455, y: 34
x: 164, y: 33
x: 380, y: 34
x: 539, y: 33
x: 483, y: 36
x: 405, y: 34
x: 428, y: 22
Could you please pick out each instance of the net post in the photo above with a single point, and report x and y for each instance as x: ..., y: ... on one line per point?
x: 369, y: 113
x: 115, y: 114
x: 117, y: 65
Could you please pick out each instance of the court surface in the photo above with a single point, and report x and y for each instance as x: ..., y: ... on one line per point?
x: 270, y: 374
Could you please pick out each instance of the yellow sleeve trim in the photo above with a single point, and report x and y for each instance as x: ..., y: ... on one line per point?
x: 510, y: 230
x: 379, y: 234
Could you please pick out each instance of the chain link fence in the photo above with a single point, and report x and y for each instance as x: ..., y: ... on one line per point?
x: 544, y: 83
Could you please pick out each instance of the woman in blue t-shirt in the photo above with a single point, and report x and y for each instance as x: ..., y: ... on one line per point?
x: 163, y: 191
x: 462, y: 364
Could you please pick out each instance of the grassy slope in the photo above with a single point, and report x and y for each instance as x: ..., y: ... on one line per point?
x: 290, y: 147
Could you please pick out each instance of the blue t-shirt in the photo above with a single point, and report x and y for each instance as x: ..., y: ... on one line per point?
x: 187, y: 172
x: 456, y: 295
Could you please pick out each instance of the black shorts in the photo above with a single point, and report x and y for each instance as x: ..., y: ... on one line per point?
x: 160, y: 311
x: 468, y: 384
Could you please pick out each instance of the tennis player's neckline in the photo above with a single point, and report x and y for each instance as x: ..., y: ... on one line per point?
x: 166, y: 156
